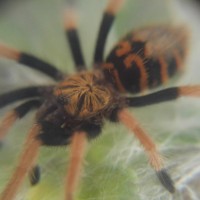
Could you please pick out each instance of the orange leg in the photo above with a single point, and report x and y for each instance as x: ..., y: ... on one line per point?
x: 17, y: 113
x: 6, y: 123
x: 114, y: 6
x: 193, y: 91
x: 8, y: 52
x: 155, y: 158
x: 26, y: 161
x: 78, y: 144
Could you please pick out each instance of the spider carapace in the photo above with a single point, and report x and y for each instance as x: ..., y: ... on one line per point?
x: 84, y: 95
x: 74, y: 109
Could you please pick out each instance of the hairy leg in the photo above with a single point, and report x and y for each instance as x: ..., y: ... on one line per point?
x: 26, y: 161
x: 30, y: 61
x: 70, y: 24
x: 168, y: 94
x: 155, y: 159
x: 78, y: 144
x: 17, y: 113
x: 108, y: 18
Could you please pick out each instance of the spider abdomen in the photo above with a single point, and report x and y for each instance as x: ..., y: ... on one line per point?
x: 146, y: 58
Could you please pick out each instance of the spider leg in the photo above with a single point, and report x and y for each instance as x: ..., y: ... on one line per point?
x: 78, y: 144
x: 24, y: 93
x: 34, y: 175
x: 108, y: 18
x: 27, y: 159
x: 30, y: 61
x: 70, y: 25
x: 19, y: 112
x: 168, y: 94
x: 7, y: 122
x: 155, y: 159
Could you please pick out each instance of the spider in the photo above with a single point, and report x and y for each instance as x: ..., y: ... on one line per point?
x: 73, y: 110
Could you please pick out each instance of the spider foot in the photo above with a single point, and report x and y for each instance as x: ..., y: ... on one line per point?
x: 35, y: 175
x: 166, y: 180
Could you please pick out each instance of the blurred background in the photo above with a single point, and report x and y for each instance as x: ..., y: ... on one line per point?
x: 115, y: 165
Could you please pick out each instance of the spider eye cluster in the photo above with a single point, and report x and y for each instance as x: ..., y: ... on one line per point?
x: 83, y: 95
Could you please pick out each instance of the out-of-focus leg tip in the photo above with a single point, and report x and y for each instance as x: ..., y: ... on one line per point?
x: 1, y: 144
x: 35, y: 175
x: 166, y: 180
x: 69, y: 197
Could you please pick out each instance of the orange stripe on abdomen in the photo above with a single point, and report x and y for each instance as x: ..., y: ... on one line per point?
x: 113, y: 72
x: 123, y: 48
x: 140, y: 65
x: 163, y: 70
x: 178, y: 59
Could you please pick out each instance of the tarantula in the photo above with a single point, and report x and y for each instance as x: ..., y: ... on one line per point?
x: 73, y: 110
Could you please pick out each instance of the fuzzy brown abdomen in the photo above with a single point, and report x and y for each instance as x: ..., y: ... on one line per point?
x: 147, y: 58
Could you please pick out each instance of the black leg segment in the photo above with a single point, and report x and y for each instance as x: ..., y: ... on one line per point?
x: 24, y: 93
x: 92, y: 130
x: 75, y: 47
x: 154, y: 98
x: 166, y: 180
x: 70, y: 23
x: 105, y: 26
x: 41, y: 66
x: 111, y: 10
x: 35, y: 175
x: 24, y: 108
x: 30, y: 61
